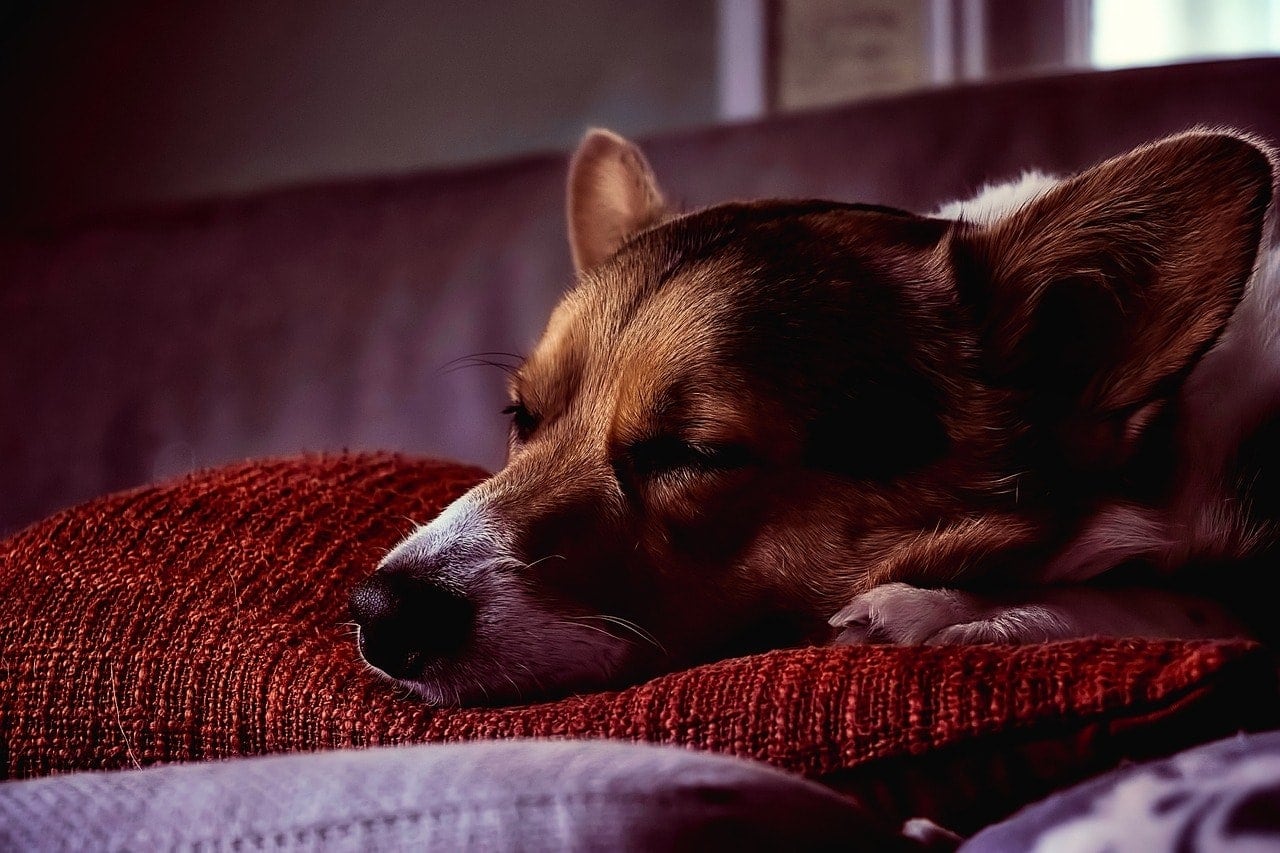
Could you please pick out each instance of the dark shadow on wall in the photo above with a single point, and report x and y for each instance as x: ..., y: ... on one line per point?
x: 127, y: 103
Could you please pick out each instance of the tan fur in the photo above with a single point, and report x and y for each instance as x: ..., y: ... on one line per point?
x: 612, y: 195
x: 1149, y: 214
x: 810, y: 540
x: 741, y: 419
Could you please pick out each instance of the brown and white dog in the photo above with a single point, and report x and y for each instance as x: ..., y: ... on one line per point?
x: 750, y: 423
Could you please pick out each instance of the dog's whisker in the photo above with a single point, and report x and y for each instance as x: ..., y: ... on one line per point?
x: 573, y: 623
x: 505, y: 368
x: 489, y: 353
x: 515, y: 686
x: 628, y: 625
x: 646, y: 635
x: 497, y: 352
x: 527, y: 566
x: 537, y: 682
x: 480, y: 359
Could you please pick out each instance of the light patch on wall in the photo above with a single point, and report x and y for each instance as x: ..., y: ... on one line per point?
x: 1155, y: 32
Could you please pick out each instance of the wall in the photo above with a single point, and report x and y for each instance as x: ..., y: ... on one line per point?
x: 110, y: 105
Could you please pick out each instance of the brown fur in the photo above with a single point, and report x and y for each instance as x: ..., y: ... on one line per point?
x: 877, y: 397
x: 743, y: 417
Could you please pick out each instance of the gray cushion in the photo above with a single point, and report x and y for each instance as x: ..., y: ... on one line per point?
x: 514, y: 795
x: 1220, y: 797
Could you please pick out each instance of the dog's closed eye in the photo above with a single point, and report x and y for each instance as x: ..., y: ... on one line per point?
x: 666, y: 454
x: 523, y: 421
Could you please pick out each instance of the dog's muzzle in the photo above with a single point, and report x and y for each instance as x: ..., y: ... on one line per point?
x: 407, y: 623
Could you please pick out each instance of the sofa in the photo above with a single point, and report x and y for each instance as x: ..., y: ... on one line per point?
x: 164, y: 601
x: 333, y: 316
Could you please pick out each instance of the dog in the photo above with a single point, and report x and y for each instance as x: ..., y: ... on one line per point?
x: 1046, y: 412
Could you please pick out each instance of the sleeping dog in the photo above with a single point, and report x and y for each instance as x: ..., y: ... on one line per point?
x: 774, y: 422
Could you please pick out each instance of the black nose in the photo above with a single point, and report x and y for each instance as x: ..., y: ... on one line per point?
x: 406, y: 623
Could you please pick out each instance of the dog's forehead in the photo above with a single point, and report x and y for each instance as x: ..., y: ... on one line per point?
x: 671, y: 304
x: 717, y: 259
x: 618, y: 330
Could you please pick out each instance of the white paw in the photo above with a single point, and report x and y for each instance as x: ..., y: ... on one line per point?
x: 906, y: 615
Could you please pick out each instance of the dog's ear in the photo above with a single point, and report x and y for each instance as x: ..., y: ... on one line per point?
x: 1096, y: 298
x: 612, y: 195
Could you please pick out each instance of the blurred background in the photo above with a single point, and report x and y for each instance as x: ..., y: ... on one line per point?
x: 237, y: 229
x: 118, y: 103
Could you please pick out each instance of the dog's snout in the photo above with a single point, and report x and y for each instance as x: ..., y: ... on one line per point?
x: 406, y: 623
x: 374, y: 602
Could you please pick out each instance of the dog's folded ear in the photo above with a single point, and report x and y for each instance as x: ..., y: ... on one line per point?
x: 1096, y: 298
x: 612, y: 196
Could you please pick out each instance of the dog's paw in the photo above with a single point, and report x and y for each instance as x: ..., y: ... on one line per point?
x: 906, y: 615
x: 1016, y: 625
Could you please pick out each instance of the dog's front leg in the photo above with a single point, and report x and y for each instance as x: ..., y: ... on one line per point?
x: 908, y: 615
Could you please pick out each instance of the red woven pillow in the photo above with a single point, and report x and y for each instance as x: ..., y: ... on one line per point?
x: 204, y: 619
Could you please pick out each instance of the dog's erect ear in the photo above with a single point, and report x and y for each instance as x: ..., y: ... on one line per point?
x: 1097, y: 297
x: 612, y: 195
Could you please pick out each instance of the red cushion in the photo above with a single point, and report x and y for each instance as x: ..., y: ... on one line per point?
x: 205, y: 619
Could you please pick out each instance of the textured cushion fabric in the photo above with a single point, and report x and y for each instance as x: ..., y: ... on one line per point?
x: 527, y: 795
x: 1222, y: 797
x: 205, y: 618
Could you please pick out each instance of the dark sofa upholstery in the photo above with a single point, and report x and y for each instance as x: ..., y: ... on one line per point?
x: 323, y: 317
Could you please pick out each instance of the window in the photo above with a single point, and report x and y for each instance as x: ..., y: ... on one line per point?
x: 1156, y: 32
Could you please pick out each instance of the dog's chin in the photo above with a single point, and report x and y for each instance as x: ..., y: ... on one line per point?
x: 464, y: 686
x: 523, y: 652
x: 492, y: 680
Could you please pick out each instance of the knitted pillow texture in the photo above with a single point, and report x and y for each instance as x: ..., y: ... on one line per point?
x: 204, y: 619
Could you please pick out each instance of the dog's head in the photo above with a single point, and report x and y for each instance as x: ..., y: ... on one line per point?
x: 741, y: 417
